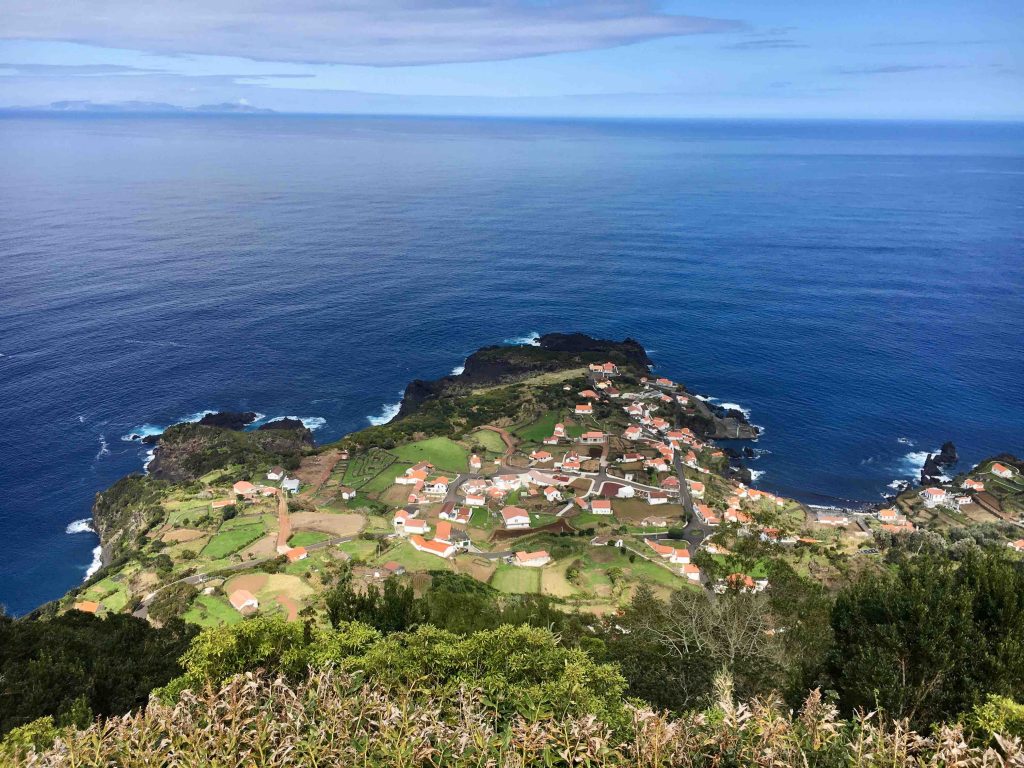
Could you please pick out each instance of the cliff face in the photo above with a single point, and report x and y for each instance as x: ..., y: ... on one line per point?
x: 502, y: 364
x: 186, y: 452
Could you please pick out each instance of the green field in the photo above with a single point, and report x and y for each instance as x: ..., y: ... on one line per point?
x: 536, y: 431
x: 490, y: 440
x: 359, y: 548
x: 210, y: 611
x: 510, y: 578
x: 363, y: 467
x: 413, y: 560
x: 305, y: 538
x: 443, y: 453
x: 226, y: 542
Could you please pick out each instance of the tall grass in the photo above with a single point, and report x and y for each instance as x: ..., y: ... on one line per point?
x: 335, y: 720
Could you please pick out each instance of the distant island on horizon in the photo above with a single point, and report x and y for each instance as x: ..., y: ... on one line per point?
x: 141, y: 107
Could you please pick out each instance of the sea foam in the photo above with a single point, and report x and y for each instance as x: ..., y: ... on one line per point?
x: 96, y: 564
x: 532, y: 339
x: 458, y: 370
x: 80, y: 526
x: 388, y: 411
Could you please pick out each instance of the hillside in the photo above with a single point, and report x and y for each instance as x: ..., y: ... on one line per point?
x: 556, y: 534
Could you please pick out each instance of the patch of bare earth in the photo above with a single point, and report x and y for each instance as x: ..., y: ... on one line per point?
x: 250, y: 582
x: 265, y: 547
x: 290, y: 606
x: 325, y: 522
x: 179, y: 535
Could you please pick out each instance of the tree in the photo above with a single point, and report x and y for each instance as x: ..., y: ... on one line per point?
x: 931, y: 640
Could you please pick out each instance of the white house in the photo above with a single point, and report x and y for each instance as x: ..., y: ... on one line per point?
x: 532, y: 559
x: 601, y: 507
x: 290, y: 484
x: 347, y: 493
x: 552, y: 494
x: 243, y: 601
x: 275, y: 473
x: 559, y: 430
x: 433, y: 547
x: 592, y: 437
x: 657, y: 497
x: 633, y: 432
x: 475, y: 463
x: 933, y: 497
x: 1001, y: 470
x: 584, y: 409
x: 515, y: 517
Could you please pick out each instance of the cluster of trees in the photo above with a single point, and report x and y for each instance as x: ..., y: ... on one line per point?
x: 929, y: 639
x: 76, y: 666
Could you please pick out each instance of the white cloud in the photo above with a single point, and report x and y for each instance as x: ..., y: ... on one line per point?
x: 370, y: 32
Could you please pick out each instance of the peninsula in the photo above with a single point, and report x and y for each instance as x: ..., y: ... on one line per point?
x: 562, y: 470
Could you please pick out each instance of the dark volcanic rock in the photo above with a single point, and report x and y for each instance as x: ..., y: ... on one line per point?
x: 229, y: 420
x: 947, y: 455
x: 932, y: 471
x: 282, y: 424
x: 552, y: 352
x: 739, y: 473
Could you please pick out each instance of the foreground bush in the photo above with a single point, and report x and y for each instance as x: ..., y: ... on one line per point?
x: 332, y: 719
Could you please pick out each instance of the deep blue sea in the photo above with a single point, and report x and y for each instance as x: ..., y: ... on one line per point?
x: 858, y: 287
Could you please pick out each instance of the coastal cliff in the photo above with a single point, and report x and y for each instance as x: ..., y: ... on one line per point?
x: 504, y: 364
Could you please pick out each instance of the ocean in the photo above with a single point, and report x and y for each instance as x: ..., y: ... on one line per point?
x: 857, y: 287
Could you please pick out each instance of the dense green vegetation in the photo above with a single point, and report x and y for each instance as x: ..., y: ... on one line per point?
x: 76, y: 666
x: 933, y: 641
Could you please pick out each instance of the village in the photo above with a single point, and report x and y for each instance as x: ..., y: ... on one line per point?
x: 580, y: 504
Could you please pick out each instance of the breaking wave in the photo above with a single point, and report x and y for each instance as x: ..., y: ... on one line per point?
x: 458, y: 370
x: 756, y: 474
x: 104, y: 448
x: 388, y: 411
x: 533, y: 339
x: 96, y: 564
x: 80, y: 526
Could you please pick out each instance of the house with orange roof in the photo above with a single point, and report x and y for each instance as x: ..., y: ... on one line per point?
x: 515, y: 518
x: 438, y: 486
x: 475, y: 463
x: 629, y: 458
x: 296, y: 553
x: 601, y: 506
x: 432, y: 547
x: 1001, y: 470
x: 475, y: 499
x: 696, y: 488
x: 690, y: 459
x: 540, y: 457
x: 733, y: 515
x: 670, y: 483
x: 531, y: 559
x: 633, y: 432
x: 443, y: 532
x: 889, y: 515
x: 592, y: 437
x: 552, y: 494
x: 657, y: 497
x: 243, y: 601
x: 589, y: 394
x: 707, y: 515
x: 412, y: 477
x: 933, y: 497
x: 658, y: 464
x: 552, y: 440
x: 972, y: 485
x: 1017, y: 545
x: 691, y: 572
x: 660, y: 549
x: 559, y: 430
x: 584, y: 409
x: 244, y: 488
x: 679, y: 556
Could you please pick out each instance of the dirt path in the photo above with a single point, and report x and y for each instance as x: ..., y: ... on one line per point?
x: 284, y: 524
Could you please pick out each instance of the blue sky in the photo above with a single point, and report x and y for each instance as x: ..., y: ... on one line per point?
x: 623, y: 58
